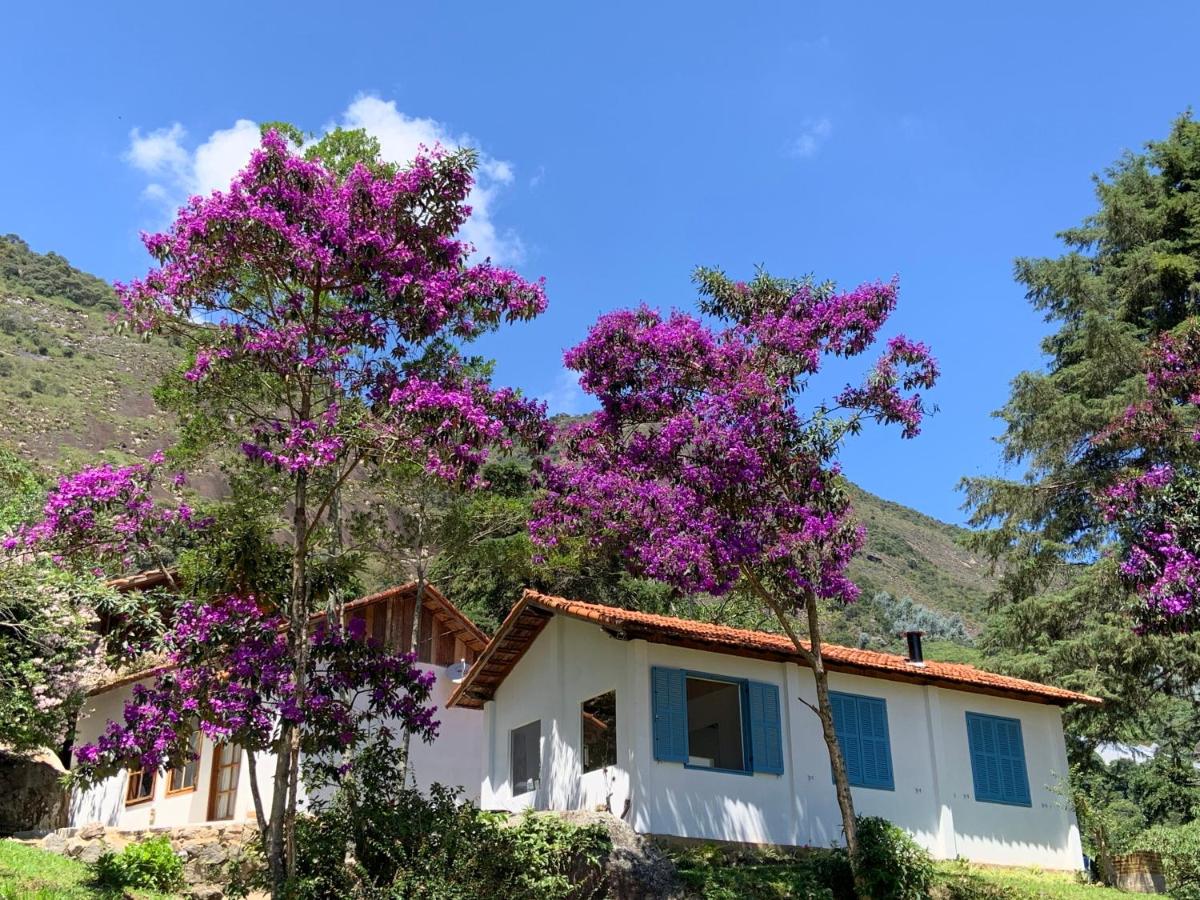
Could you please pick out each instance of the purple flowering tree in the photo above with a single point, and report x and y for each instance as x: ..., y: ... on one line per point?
x: 1153, y: 503
x: 702, y: 470
x: 325, y: 300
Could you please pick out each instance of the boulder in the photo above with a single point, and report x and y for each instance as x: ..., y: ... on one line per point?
x: 635, y: 869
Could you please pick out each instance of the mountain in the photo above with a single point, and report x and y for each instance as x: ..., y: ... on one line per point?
x: 71, y: 383
x: 73, y: 386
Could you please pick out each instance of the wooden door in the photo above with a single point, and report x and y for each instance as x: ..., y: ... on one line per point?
x: 222, y: 792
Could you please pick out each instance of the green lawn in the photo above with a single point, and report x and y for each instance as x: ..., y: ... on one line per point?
x: 711, y: 874
x: 27, y: 873
x: 1022, y: 884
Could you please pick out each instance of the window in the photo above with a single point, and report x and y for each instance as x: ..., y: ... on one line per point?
x: 222, y: 792
x: 599, y: 729
x: 183, y: 778
x: 140, y: 786
x: 526, y: 757
x: 862, y: 732
x: 713, y: 722
x: 997, y: 759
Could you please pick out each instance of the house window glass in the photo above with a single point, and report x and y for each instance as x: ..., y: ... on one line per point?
x: 183, y: 778
x: 599, y: 725
x: 526, y: 757
x: 714, y: 724
x: 140, y: 786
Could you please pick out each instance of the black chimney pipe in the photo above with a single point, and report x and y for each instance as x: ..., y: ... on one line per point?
x: 915, y: 654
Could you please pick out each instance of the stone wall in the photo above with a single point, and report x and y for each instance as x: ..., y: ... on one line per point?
x: 1140, y: 873
x: 31, y: 795
x: 207, y: 850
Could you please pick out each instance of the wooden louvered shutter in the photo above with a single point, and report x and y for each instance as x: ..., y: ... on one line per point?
x: 669, y: 709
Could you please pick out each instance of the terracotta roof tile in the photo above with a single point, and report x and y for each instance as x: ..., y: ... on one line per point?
x: 742, y: 642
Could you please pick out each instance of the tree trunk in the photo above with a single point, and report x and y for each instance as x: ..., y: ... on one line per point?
x: 812, y: 656
x: 281, y: 857
x: 825, y: 713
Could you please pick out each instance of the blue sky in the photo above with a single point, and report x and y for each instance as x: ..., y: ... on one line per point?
x: 628, y: 142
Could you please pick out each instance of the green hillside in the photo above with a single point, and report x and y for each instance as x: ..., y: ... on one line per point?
x: 74, y: 386
x: 71, y: 384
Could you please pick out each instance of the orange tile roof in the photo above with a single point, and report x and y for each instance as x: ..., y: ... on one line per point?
x: 468, y: 631
x: 505, y: 649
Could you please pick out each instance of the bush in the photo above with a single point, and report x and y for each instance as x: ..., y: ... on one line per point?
x: 1179, y: 847
x: 891, y: 864
x: 151, y: 865
x: 376, y: 838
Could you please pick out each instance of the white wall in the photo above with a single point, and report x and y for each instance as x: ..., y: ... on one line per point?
x: 572, y: 661
x: 565, y: 666
x: 453, y: 758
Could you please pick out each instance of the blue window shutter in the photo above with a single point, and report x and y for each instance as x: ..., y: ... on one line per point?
x: 876, y: 746
x: 766, y: 729
x: 669, y: 708
x: 862, y: 730
x: 845, y: 723
x: 997, y: 759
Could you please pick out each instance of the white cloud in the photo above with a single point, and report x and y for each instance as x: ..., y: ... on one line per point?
x: 222, y: 156
x: 566, y: 396
x: 813, y: 134
x: 159, y: 152
x: 178, y: 172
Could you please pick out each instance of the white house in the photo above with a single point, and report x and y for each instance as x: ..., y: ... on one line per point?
x: 701, y: 731
x: 216, y: 786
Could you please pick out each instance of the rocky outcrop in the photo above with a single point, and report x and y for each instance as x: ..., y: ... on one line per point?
x: 32, y: 797
x: 635, y: 869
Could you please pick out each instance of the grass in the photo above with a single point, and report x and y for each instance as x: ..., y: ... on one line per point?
x: 710, y: 873
x: 1019, y: 884
x: 27, y: 873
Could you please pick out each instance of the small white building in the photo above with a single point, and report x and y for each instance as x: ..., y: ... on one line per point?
x: 701, y: 731
x: 216, y: 786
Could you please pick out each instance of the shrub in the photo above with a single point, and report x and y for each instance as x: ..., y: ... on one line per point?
x: 151, y: 865
x: 1179, y: 847
x: 374, y: 837
x: 891, y: 864
x: 714, y: 873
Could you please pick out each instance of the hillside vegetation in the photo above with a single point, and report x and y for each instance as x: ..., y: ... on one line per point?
x: 73, y: 387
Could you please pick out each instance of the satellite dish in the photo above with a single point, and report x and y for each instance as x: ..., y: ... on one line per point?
x: 457, y: 671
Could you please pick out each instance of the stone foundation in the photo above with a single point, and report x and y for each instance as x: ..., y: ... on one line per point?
x: 207, y: 850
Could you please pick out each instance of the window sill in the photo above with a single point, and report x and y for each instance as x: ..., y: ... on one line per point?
x: 175, y: 792
x: 139, y: 801
x: 717, y: 769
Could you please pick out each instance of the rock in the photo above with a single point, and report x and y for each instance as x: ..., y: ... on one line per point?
x: 91, y: 852
x: 91, y: 831
x: 205, y: 892
x: 635, y: 869
x: 54, y: 842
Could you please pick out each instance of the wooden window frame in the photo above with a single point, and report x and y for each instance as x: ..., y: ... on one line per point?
x: 173, y: 791
x: 135, y: 777
x: 214, y: 780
